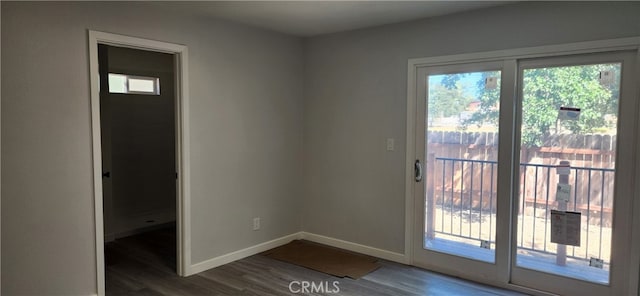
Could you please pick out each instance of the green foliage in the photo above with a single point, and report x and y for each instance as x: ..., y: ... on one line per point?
x: 545, y: 90
x: 450, y: 81
x: 446, y: 101
x: 488, y: 111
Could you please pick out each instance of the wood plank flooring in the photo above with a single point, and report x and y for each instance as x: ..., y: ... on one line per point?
x: 145, y: 265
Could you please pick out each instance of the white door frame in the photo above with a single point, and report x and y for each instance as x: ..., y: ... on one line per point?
x: 623, y: 175
x: 182, y: 144
x: 429, y: 258
x: 633, y: 265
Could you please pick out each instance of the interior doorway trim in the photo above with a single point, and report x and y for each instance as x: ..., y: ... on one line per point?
x: 182, y: 144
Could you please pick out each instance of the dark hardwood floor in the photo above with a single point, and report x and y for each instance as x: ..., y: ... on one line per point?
x: 145, y: 265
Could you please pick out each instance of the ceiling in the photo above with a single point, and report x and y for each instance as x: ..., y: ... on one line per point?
x: 310, y: 18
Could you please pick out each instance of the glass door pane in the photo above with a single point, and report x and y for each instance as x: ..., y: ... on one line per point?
x: 461, y: 163
x: 567, y: 169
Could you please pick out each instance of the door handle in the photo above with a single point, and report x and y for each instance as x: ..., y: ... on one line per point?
x: 418, y: 170
x: 106, y: 175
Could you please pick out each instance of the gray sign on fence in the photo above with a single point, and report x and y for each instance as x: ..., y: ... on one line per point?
x: 565, y: 228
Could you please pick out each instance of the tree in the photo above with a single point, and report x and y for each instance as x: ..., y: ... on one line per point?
x: 545, y: 90
x: 447, y: 101
x: 488, y: 111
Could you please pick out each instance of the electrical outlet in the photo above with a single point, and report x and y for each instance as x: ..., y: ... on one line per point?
x: 390, y: 144
x: 256, y: 223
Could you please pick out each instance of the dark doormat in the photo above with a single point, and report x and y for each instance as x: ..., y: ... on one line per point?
x: 324, y: 259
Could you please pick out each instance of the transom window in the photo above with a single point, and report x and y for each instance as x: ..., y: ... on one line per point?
x: 129, y: 84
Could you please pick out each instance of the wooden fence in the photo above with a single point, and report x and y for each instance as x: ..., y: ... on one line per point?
x: 461, y: 171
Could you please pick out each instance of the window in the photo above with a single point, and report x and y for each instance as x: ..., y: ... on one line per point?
x: 129, y: 84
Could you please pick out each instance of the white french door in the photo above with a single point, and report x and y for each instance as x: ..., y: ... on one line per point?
x: 457, y: 185
x: 522, y: 171
x: 572, y: 181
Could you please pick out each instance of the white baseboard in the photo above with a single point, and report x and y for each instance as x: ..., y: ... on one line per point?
x: 237, y: 255
x: 354, y: 247
x: 329, y: 241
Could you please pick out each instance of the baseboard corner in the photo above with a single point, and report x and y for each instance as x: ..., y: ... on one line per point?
x: 334, y: 242
x: 240, y: 254
x: 355, y: 247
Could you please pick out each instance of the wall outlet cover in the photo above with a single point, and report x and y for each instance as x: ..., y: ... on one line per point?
x: 256, y: 223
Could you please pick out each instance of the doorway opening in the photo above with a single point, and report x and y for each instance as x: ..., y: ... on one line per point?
x: 139, y: 106
x: 137, y: 122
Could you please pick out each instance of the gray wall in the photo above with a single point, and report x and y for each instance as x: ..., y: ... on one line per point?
x: 246, y: 89
x: 246, y: 137
x: 139, y: 146
x: 355, y: 97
